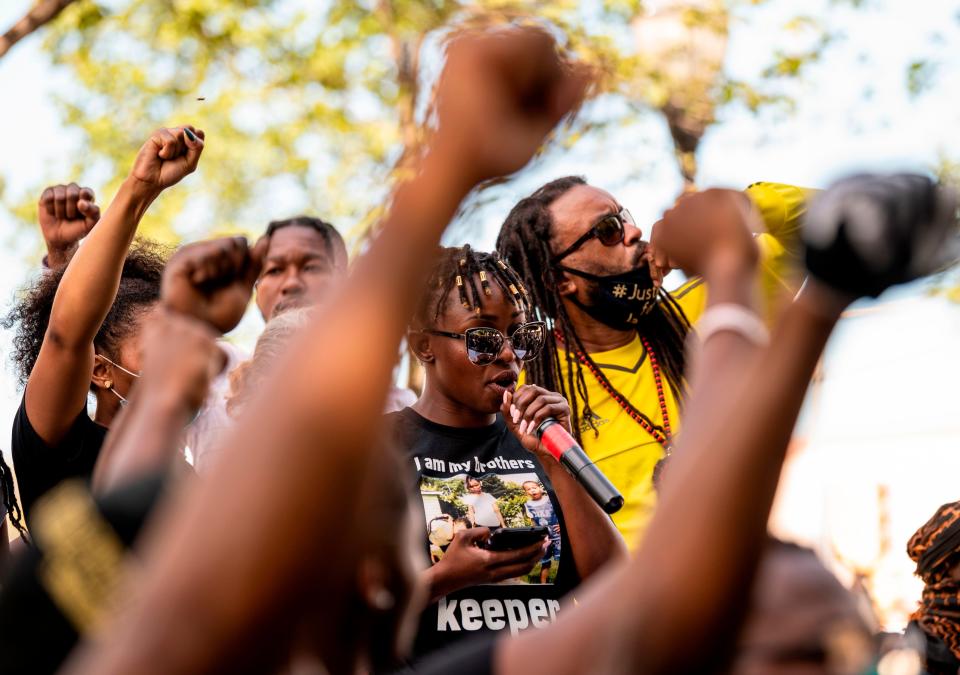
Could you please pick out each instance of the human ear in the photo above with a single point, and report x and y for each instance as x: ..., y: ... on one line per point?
x: 563, y: 284
x: 102, y: 375
x: 420, y: 346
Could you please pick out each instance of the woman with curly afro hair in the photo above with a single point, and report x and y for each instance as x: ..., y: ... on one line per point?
x: 78, y: 328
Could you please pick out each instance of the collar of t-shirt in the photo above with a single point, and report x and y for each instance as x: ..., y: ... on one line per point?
x: 464, y: 433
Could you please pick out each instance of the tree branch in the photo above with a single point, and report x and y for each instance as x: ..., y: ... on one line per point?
x: 39, y: 15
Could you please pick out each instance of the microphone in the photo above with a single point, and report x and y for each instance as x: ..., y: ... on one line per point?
x: 571, y: 456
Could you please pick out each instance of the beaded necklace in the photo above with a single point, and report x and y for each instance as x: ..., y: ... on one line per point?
x: 662, y: 435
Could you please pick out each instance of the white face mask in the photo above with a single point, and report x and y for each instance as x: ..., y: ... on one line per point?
x: 123, y: 401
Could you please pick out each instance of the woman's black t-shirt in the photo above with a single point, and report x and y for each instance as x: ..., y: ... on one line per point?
x: 40, y: 467
x: 513, y: 487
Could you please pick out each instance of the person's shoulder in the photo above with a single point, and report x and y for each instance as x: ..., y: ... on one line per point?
x: 83, y: 431
x: 402, y: 428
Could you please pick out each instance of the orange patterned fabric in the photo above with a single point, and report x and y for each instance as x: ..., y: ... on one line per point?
x: 936, y: 549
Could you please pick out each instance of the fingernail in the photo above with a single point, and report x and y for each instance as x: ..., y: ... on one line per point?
x: 515, y: 413
x: 193, y: 139
x: 523, y: 428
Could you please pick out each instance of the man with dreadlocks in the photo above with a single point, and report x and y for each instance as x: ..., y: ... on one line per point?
x: 618, y: 352
x: 470, y: 445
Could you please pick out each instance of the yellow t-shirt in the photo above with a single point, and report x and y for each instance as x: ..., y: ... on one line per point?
x: 623, y: 450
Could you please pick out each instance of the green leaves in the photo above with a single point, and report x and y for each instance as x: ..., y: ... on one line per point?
x: 310, y: 106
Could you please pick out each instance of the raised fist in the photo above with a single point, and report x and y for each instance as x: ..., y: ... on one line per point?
x: 869, y: 232
x: 168, y: 156
x: 704, y: 229
x: 501, y: 92
x: 66, y: 213
x: 213, y: 280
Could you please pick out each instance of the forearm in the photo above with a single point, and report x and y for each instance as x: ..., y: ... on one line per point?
x: 592, y: 536
x: 90, y: 282
x: 146, y: 437
x: 236, y: 576
x: 704, y: 505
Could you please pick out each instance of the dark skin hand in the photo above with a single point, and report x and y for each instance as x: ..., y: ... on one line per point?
x: 209, y: 589
x: 595, y: 541
x: 205, y: 291
x: 59, y: 382
x: 465, y: 563
x: 458, y: 393
x: 212, y: 280
x: 66, y: 213
x: 626, y: 624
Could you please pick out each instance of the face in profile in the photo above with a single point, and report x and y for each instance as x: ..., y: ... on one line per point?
x: 576, y: 211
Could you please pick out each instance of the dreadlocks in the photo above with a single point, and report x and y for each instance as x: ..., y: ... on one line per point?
x: 525, y: 241
x: 11, y: 506
x: 460, y: 268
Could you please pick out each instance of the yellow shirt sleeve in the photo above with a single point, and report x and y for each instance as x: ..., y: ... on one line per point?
x: 782, y: 208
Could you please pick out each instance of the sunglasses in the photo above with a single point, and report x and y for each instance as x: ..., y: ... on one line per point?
x: 485, y: 344
x: 609, y: 230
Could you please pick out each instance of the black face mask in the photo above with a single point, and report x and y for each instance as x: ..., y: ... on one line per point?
x: 619, y: 300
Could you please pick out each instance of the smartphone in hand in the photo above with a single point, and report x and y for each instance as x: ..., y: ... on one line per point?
x: 512, y: 538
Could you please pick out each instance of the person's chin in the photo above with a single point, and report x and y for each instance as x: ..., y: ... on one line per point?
x: 491, y: 402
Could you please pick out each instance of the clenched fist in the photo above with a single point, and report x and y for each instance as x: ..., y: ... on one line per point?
x: 500, y: 94
x: 213, y: 280
x: 168, y: 156
x: 66, y: 213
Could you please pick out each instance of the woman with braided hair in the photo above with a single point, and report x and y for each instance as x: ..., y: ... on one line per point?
x: 617, y: 352
x: 470, y: 440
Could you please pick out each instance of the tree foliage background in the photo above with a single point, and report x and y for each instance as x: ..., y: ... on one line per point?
x: 313, y: 106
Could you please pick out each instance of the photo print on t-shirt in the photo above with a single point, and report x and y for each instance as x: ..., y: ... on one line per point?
x: 463, y: 501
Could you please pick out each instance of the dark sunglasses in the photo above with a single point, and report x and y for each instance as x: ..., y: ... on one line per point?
x: 485, y: 344
x: 609, y: 230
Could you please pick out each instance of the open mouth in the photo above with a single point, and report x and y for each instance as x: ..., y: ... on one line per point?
x: 503, y: 382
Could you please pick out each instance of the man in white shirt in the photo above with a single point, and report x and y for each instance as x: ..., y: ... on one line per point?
x: 305, y: 257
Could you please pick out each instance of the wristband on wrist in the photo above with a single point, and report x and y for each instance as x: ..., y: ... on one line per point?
x: 733, y: 318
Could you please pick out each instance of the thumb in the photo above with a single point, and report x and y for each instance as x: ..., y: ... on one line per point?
x: 473, y: 536
x: 90, y: 213
x: 193, y: 139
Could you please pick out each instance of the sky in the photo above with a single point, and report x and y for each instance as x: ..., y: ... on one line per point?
x: 878, y: 436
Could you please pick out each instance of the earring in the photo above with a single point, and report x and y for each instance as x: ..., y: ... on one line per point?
x: 382, y: 599
x: 108, y: 384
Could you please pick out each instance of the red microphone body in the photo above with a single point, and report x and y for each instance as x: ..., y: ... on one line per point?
x: 565, y: 449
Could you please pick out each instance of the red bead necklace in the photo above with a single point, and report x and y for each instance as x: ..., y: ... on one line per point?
x: 662, y: 437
